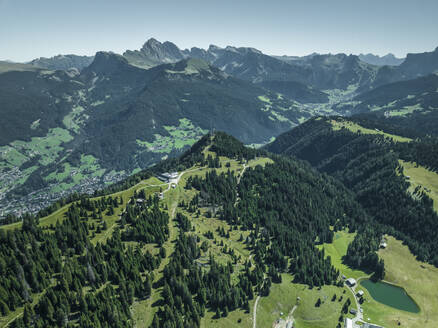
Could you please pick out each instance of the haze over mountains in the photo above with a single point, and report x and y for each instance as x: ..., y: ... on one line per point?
x: 77, y: 122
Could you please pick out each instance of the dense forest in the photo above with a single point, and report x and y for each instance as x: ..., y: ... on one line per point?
x: 78, y: 277
x: 368, y: 165
x: 63, y: 277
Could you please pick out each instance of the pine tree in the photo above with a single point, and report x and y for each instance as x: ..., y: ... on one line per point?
x: 4, y: 309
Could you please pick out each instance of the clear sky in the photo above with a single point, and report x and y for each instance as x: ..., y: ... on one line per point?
x: 36, y: 28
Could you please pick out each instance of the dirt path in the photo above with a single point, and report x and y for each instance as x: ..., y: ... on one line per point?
x: 254, y: 313
x: 241, y: 173
x: 289, y: 319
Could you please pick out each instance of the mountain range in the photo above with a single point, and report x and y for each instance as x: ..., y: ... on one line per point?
x: 73, y: 131
x: 74, y: 123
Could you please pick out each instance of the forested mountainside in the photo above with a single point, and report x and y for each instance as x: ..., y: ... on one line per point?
x: 235, y: 222
x: 296, y: 90
x: 66, y: 131
x: 370, y: 159
x: 33, y: 101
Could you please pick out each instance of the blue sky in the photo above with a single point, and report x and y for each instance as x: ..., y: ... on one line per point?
x: 35, y: 28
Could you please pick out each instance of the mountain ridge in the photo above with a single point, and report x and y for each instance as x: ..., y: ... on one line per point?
x: 386, y: 60
x: 114, y: 118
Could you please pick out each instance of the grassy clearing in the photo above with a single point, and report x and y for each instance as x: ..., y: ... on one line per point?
x: 235, y: 319
x: 266, y: 102
x: 202, y: 224
x: 337, y: 250
x: 420, y: 280
x: 283, y: 297
x: 72, y: 120
x: 421, y: 177
x: 185, y: 134
x: 278, y: 117
x: 143, y: 310
x: 356, y: 128
x: 405, y: 110
x: 48, y: 147
x: 72, y: 175
x: 12, y: 157
x: 264, y: 99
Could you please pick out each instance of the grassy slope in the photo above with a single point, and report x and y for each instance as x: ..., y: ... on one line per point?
x: 337, y: 250
x: 143, y: 311
x: 420, y: 280
x: 422, y: 177
x: 283, y: 297
x: 354, y: 127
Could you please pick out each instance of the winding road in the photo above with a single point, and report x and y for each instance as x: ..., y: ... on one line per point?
x: 359, y: 314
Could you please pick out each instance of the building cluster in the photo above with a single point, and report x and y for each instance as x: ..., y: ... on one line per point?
x: 38, y: 200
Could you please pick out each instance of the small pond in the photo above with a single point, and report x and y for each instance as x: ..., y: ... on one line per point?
x: 390, y: 295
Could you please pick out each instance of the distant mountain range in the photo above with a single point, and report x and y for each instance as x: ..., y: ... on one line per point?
x: 65, y: 129
x: 63, y: 62
x: 389, y: 59
x: 319, y: 71
x: 73, y: 123
x: 323, y: 72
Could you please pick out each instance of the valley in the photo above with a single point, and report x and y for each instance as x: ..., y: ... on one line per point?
x: 104, y: 117
x: 75, y: 153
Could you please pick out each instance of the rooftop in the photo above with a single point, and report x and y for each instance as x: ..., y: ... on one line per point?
x: 351, y: 281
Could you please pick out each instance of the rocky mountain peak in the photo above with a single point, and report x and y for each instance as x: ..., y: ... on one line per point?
x: 107, y: 63
x: 166, y: 52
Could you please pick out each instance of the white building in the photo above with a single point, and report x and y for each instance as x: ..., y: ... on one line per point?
x: 166, y: 176
x: 348, y: 323
x: 350, y: 282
